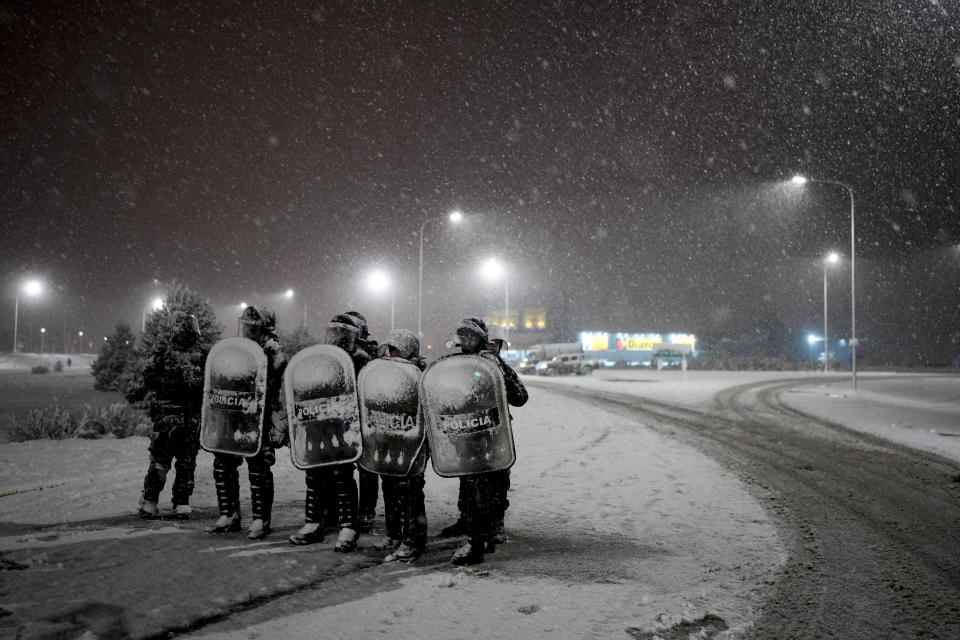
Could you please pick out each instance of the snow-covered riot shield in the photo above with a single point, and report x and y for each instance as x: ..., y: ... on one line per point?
x: 393, y: 434
x: 464, y: 403
x: 234, y: 386
x: 321, y: 394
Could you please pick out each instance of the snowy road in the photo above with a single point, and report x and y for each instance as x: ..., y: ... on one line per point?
x: 872, y: 527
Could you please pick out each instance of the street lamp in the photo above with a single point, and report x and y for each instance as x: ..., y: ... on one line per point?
x: 454, y: 217
x: 379, y: 281
x: 155, y: 305
x: 800, y: 180
x: 495, y: 270
x: 289, y: 294
x: 43, y: 333
x: 832, y: 258
x: 32, y: 288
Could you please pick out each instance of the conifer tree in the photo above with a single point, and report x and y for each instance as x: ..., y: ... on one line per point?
x: 160, y: 329
x: 116, y: 356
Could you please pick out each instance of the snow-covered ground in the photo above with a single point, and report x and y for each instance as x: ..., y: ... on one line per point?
x: 591, y: 490
x: 80, y: 362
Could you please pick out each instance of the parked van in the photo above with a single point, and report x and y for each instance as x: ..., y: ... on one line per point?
x: 542, y: 352
x: 571, y: 363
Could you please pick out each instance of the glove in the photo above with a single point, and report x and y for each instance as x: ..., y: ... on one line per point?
x: 279, y: 432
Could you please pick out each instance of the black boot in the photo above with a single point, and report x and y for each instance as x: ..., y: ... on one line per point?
x: 469, y: 553
x: 261, y: 498
x: 228, y: 496
x: 312, y: 530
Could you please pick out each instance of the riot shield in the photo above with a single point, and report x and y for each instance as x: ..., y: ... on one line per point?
x: 234, y: 386
x: 320, y: 388
x: 393, y: 434
x: 464, y: 403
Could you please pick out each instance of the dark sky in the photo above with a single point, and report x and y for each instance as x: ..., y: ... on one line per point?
x: 625, y: 158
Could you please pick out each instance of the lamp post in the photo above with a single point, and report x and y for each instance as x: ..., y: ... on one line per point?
x: 43, y: 334
x: 494, y: 269
x: 379, y: 281
x: 800, y: 180
x: 79, y: 341
x: 454, y: 217
x: 831, y: 258
x: 155, y: 305
x: 31, y: 288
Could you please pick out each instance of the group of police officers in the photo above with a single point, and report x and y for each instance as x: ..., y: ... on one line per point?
x: 174, y: 378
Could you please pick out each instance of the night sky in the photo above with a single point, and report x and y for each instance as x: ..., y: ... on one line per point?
x: 627, y: 160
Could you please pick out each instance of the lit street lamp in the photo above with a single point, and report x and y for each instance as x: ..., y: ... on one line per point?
x: 155, y: 305
x: 43, y: 333
x: 379, y: 281
x: 79, y: 341
x: 832, y: 258
x: 32, y: 288
x: 454, y: 217
x: 800, y: 180
x: 289, y: 294
x: 495, y: 270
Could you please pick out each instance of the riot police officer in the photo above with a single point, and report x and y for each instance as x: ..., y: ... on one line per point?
x: 403, y: 501
x: 173, y: 377
x: 479, y: 492
x: 337, y: 480
x: 257, y: 324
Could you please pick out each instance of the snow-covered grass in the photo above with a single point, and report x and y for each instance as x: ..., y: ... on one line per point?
x: 80, y: 362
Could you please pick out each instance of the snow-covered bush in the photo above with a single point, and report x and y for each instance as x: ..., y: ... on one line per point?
x: 55, y: 422
x: 120, y: 420
x: 49, y: 423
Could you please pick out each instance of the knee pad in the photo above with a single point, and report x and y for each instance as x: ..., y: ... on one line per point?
x: 159, y: 466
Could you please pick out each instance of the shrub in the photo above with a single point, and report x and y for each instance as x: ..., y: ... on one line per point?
x: 119, y: 419
x: 49, y: 423
x: 40, y: 368
x: 58, y: 423
x: 58, y: 367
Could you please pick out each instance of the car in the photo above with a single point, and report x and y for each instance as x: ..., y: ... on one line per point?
x: 570, y: 363
x: 527, y: 366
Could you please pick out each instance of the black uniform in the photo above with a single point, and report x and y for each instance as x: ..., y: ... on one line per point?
x: 173, y: 377
x: 334, y: 482
x: 405, y: 513
x: 368, y: 488
x: 274, y: 435
x: 500, y: 480
x: 480, y: 494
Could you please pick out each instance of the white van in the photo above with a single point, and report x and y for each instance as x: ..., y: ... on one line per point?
x: 570, y: 363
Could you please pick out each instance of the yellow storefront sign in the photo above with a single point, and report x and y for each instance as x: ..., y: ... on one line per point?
x: 595, y: 341
x: 641, y: 343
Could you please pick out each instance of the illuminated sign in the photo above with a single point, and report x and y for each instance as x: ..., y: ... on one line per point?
x: 602, y: 341
x: 683, y: 338
x: 594, y: 341
x: 641, y: 342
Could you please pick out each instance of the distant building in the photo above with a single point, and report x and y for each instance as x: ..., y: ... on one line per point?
x: 635, y: 348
